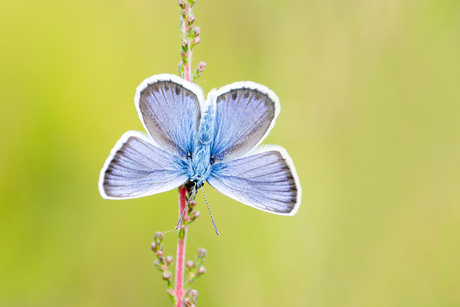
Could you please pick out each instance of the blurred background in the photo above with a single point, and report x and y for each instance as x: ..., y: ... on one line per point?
x: 370, y: 115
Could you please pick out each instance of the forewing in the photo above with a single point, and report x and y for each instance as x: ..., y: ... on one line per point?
x: 266, y: 180
x: 136, y: 168
x: 245, y: 114
x: 169, y: 108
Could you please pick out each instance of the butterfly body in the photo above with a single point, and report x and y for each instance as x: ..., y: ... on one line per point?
x: 201, y: 159
x: 216, y: 140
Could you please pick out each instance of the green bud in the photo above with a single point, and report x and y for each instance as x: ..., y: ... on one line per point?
x: 158, y: 236
x: 185, y: 45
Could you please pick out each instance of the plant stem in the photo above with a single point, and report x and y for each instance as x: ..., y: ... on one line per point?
x: 180, y: 253
x: 188, y: 64
x: 188, y: 40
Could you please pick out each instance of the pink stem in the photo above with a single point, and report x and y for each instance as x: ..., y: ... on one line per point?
x: 180, y: 253
x: 181, y: 243
x: 188, y: 67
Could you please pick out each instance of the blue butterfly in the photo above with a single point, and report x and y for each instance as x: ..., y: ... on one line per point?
x: 194, y: 140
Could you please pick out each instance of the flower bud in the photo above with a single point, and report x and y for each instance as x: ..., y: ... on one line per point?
x: 185, y: 45
x: 169, y: 260
x: 201, y: 67
x: 191, y: 19
x: 189, y: 264
x: 195, y: 214
x: 196, y: 31
x: 158, y: 236
x: 193, y: 295
x: 201, y: 270
x: 159, y: 253
x: 181, y: 233
x: 166, y: 276
x: 156, y: 262
x: 196, y: 40
x: 182, y: 4
x: 202, y: 253
x: 153, y: 246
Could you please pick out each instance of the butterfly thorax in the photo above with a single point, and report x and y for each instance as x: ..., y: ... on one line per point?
x: 201, y: 158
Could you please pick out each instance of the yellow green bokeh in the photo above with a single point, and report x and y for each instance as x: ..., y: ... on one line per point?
x: 370, y: 97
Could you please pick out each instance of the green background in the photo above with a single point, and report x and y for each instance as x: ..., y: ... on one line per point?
x: 370, y: 115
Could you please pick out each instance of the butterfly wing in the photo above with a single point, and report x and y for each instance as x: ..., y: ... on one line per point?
x: 136, y: 168
x: 170, y: 110
x: 245, y: 114
x: 266, y: 180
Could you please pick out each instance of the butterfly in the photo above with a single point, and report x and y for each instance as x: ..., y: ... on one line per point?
x: 193, y: 140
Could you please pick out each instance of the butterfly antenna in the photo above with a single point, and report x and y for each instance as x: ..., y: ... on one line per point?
x: 209, y: 209
x: 186, y: 205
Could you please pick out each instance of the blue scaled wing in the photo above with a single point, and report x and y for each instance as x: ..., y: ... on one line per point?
x: 137, y: 168
x: 245, y: 114
x: 170, y: 110
x: 266, y: 180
